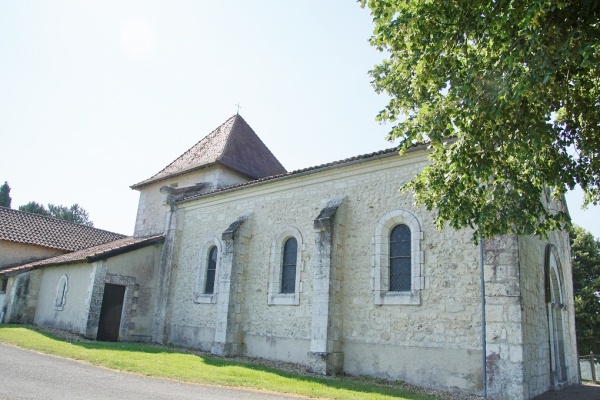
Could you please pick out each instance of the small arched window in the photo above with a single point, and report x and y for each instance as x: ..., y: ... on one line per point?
x: 285, y: 267
x: 206, y: 286
x: 288, y: 266
x: 400, y: 259
x: 211, y: 270
x: 61, y: 292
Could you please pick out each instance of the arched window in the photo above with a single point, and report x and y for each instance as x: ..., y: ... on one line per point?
x: 285, y: 267
x: 61, y: 293
x: 211, y: 269
x: 207, y: 274
x: 557, y: 307
x: 400, y: 263
x: 288, y: 266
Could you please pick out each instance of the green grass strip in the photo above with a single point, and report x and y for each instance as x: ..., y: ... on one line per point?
x: 158, y: 361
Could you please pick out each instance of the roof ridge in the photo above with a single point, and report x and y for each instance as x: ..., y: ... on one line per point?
x: 233, y: 144
x: 58, y: 220
x: 212, y: 133
x: 227, y: 143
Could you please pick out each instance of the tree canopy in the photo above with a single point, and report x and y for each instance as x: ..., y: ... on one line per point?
x: 74, y: 213
x: 585, y: 250
x: 507, y: 95
x: 5, y: 199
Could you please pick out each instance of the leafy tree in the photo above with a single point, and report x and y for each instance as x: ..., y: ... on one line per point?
x: 35, y: 208
x: 5, y: 199
x: 586, y: 288
x: 75, y: 213
x: 506, y: 93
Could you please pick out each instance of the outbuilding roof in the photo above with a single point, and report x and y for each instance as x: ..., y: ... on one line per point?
x: 92, y: 254
x: 23, y: 227
x: 233, y: 144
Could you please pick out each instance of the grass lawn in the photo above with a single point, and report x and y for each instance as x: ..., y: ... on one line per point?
x: 159, y: 361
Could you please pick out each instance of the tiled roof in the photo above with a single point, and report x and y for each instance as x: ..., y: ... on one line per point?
x: 233, y: 144
x: 22, y: 227
x: 91, y: 254
x: 334, y: 164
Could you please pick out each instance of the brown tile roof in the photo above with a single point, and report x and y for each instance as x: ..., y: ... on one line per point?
x: 309, y: 170
x: 22, y: 227
x: 89, y: 255
x: 233, y: 144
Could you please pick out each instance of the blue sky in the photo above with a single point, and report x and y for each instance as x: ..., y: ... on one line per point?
x: 97, y: 96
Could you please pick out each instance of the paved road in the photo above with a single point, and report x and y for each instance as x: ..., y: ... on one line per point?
x: 575, y: 392
x: 28, y: 375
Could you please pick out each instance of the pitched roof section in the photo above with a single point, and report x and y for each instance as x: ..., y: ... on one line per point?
x: 233, y: 144
x: 335, y: 164
x: 91, y: 254
x: 22, y: 227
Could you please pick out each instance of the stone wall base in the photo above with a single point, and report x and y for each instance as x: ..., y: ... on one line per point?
x: 331, y: 363
x: 226, y: 349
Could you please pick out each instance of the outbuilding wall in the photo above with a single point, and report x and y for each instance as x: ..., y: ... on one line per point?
x: 72, y: 316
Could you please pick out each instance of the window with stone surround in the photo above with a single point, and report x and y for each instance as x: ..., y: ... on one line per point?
x: 397, y: 259
x: 207, y: 273
x: 61, y: 293
x: 285, y: 267
x: 211, y: 269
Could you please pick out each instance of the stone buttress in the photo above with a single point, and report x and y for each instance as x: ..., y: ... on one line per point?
x: 326, y: 356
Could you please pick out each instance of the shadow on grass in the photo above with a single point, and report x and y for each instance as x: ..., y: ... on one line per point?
x: 359, y: 385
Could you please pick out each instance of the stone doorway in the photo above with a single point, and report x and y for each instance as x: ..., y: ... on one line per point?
x: 111, y: 313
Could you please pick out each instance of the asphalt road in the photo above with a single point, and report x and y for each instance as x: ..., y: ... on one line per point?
x: 29, y: 375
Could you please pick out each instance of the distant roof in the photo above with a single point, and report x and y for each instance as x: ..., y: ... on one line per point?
x: 23, y: 227
x: 233, y: 144
x: 92, y: 254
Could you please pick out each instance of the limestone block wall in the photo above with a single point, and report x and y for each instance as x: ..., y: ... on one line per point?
x: 405, y: 341
x: 152, y: 209
x: 395, y: 341
x: 72, y: 314
x: 12, y: 253
x: 504, y: 331
x: 536, y: 335
x: 194, y: 323
x: 139, y: 272
x: 21, y: 297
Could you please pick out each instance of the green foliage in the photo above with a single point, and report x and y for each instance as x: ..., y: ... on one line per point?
x: 168, y: 363
x: 75, y: 213
x: 506, y: 93
x: 5, y: 199
x: 585, y: 251
x: 35, y: 208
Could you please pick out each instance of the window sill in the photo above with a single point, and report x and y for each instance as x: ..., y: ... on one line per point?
x: 284, y: 299
x: 205, y: 298
x: 412, y: 298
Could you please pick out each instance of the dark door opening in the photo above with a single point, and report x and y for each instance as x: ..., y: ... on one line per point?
x: 110, y: 314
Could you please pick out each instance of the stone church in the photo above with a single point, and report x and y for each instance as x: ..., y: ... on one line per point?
x: 330, y: 266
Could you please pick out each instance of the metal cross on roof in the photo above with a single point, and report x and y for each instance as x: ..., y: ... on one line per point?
x: 238, y: 108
